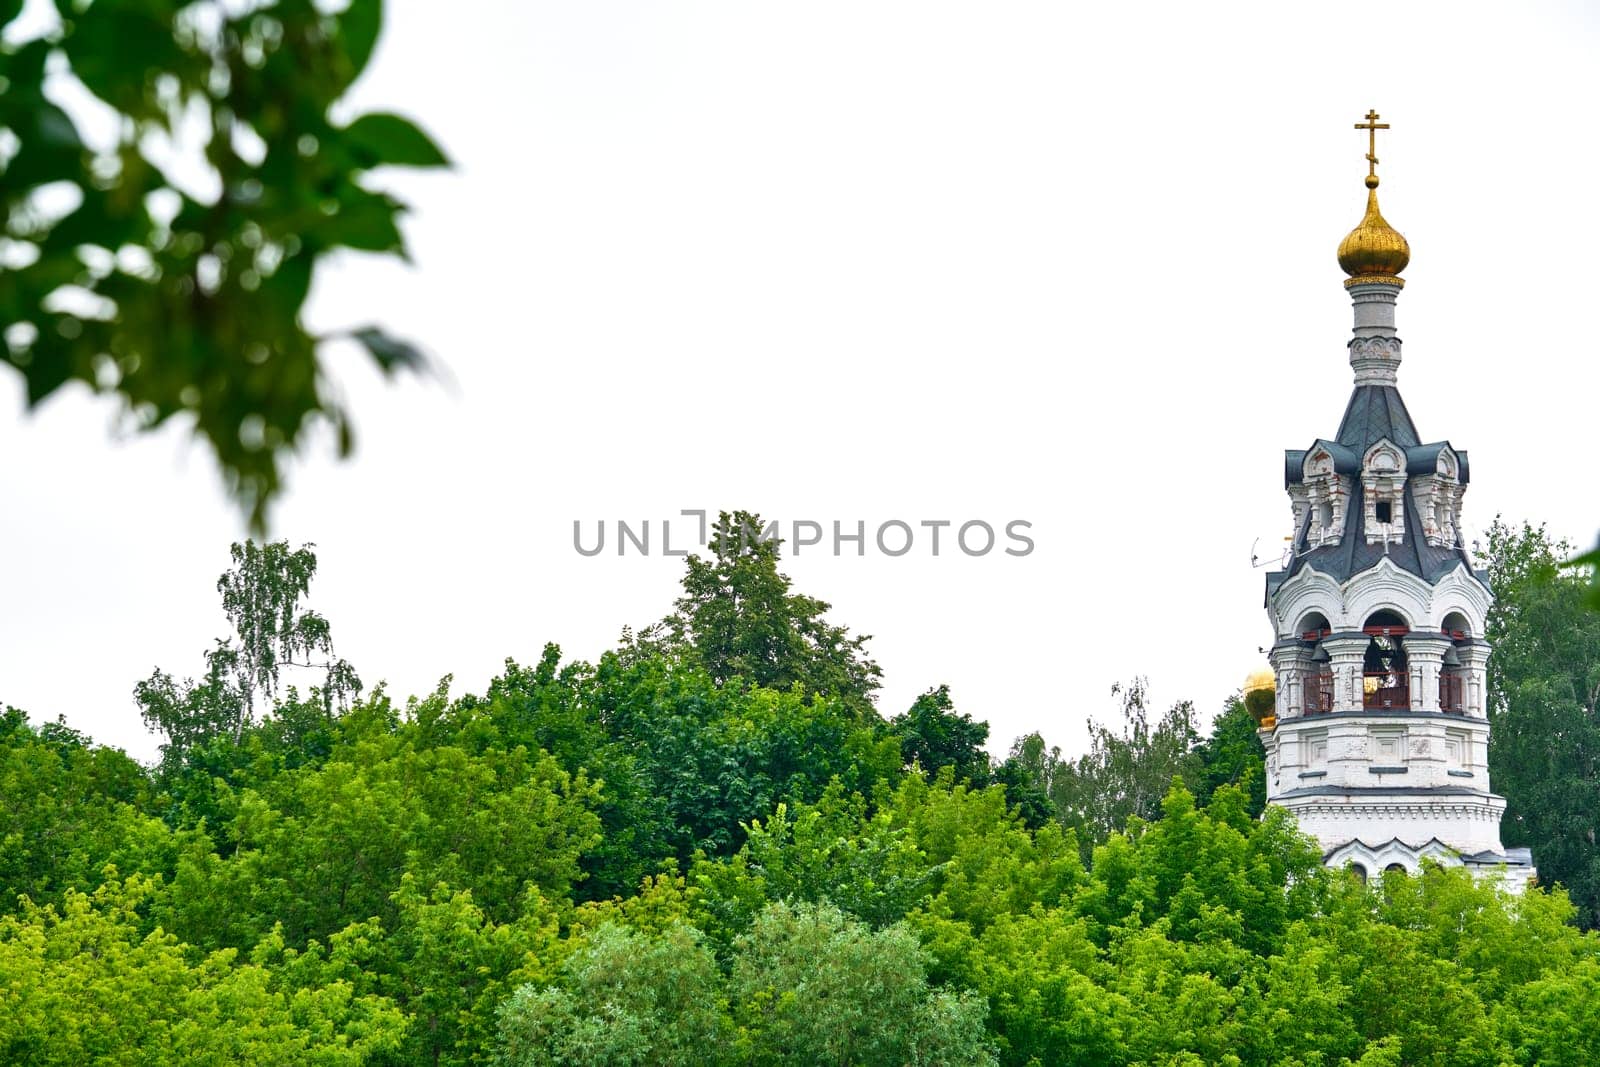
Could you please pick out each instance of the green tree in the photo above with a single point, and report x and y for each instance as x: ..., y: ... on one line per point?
x: 67, y: 809
x: 189, y: 714
x: 447, y: 964
x: 1232, y: 755
x: 314, y: 849
x: 1544, y: 688
x: 558, y: 709
x: 86, y: 983
x: 261, y: 595
x: 811, y: 986
x: 1125, y: 774
x: 1028, y: 772
x: 719, y: 756
x: 739, y: 618
x: 174, y: 277
x: 625, y: 998
x: 934, y: 735
x: 938, y: 847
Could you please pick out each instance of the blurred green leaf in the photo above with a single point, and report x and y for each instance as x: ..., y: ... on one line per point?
x: 359, y: 27
x: 1590, y: 559
x: 115, y: 47
x: 186, y: 302
x: 366, y: 222
x: 391, y: 353
x: 379, y: 138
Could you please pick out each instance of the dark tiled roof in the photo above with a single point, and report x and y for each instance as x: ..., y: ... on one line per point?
x: 1352, y: 554
x: 1294, y: 466
x: 1424, y: 460
x: 1511, y: 857
x: 1376, y: 412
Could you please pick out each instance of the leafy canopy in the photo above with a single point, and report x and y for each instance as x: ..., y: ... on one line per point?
x: 1544, y: 701
x: 261, y: 595
x: 633, y: 862
x: 167, y: 263
x: 740, y: 619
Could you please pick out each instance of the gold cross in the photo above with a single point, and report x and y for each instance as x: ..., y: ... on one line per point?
x: 1372, y: 126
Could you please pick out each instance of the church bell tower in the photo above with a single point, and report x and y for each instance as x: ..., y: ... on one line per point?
x: 1377, y: 732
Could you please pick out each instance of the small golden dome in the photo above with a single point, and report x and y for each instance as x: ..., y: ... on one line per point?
x: 1374, y: 247
x: 1261, y: 697
x: 1259, y: 680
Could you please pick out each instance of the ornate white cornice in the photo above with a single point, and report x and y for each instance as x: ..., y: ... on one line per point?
x: 1349, y: 603
x: 1375, y: 360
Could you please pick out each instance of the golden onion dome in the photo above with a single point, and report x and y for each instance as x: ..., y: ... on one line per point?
x: 1374, y: 247
x: 1260, y: 680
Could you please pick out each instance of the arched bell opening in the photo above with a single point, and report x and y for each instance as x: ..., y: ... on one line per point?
x: 1385, y: 678
x: 1319, y: 678
x: 1453, y: 673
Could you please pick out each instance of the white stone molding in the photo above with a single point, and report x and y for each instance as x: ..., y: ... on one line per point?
x: 1468, y: 822
x: 1375, y: 859
x: 1460, y: 591
x: 1437, y: 497
x: 1327, y: 496
x: 1387, y: 587
x: 1310, y: 590
x: 1425, y: 659
x: 1374, y: 349
x: 1299, y: 504
x: 1475, y: 664
x: 1383, y: 483
x: 1345, y: 654
x: 1291, y: 664
x: 1375, y: 360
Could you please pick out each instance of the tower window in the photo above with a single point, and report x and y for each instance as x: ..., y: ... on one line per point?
x: 1385, y: 512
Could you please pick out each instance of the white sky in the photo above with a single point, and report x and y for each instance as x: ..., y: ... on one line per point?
x: 1067, y: 263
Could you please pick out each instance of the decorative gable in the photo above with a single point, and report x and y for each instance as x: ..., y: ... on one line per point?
x: 1327, y: 492
x: 1383, y: 482
x: 1437, y: 496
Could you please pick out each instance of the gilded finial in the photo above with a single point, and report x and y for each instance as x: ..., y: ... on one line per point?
x: 1374, y: 251
x: 1372, y: 126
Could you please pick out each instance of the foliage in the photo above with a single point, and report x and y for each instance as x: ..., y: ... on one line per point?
x: 261, y: 596
x: 1124, y: 774
x: 806, y: 985
x: 86, y: 984
x: 934, y: 735
x: 813, y: 987
x: 633, y: 862
x: 68, y: 810
x: 718, y: 756
x: 1232, y: 755
x: 740, y: 620
x: 169, y: 263
x: 315, y: 848
x: 1544, y: 700
x: 626, y: 997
